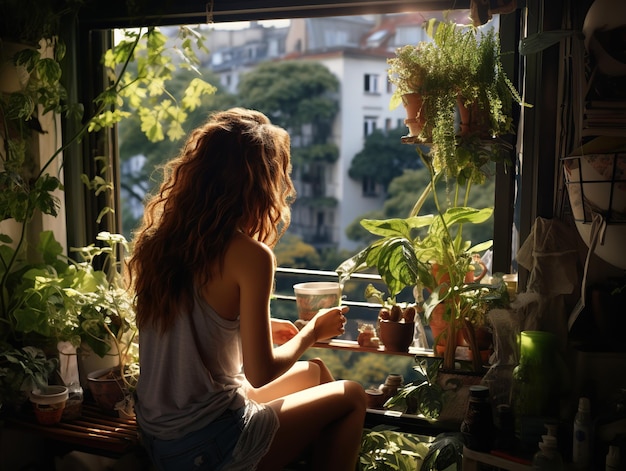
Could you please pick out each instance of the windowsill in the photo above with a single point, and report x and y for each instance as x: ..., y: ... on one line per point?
x: 352, y: 345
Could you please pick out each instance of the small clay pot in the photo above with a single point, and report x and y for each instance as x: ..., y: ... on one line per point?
x: 396, y: 336
x: 375, y: 398
x: 107, y: 388
x: 48, y: 404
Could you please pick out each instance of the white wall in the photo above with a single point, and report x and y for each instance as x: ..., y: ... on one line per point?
x: 355, y: 105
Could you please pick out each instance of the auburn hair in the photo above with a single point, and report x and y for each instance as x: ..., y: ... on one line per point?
x: 232, y: 174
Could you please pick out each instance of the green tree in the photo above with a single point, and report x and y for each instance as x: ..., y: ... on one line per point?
x: 405, y: 189
x: 300, y: 97
x: 292, y: 94
x: 292, y: 252
x: 133, y: 142
x: 382, y: 158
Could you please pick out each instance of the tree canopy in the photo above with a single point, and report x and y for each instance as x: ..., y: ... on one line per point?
x: 384, y: 157
x: 293, y: 94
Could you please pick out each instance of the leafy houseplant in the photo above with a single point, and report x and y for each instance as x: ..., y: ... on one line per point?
x: 429, y: 254
x: 46, y: 296
x: 68, y: 300
x: 424, y: 395
x: 21, y: 371
x: 384, y: 449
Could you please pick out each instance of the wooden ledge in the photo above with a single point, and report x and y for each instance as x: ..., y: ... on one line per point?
x: 94, y: 431
x: 353, y: 345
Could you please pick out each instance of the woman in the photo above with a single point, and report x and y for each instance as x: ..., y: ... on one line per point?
x: 203, y: 271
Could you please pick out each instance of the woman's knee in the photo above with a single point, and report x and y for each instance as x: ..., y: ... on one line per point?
x: 323, y: 373
x: 355, y: 392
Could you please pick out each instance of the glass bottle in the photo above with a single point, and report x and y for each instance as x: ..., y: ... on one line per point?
x: 581, y: 447
x: 536, y: 385
x: 477, y: 426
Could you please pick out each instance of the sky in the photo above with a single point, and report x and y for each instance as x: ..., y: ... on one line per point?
x: 244, y: 24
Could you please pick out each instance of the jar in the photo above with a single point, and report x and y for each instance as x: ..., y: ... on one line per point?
x: 391, y: 386
x: 537, y: 383
x: 477, y: 426
x: 367, y: 333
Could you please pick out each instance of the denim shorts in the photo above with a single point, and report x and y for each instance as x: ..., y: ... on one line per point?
x: 209, y: 448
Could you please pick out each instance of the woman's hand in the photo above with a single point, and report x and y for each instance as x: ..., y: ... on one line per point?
x: 329, y: 323
x: 282, y: 331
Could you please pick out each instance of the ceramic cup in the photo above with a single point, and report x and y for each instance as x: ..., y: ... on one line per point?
x: 313, y: 296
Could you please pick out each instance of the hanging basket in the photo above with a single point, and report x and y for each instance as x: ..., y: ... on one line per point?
x: 596, y: 185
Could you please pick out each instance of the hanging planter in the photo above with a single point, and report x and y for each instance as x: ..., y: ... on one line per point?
x: 596, y: 185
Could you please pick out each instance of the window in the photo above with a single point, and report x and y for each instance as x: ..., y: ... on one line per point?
x: 370, y: 188
x: 323, y: 186
x: 369, y: 125
x: 372, y: 83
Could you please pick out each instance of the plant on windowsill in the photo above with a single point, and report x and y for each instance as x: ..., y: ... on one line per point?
x: 429, y: 254
x: 46, y: 296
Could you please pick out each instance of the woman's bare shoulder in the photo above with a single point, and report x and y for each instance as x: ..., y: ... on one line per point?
x: 249, y: 251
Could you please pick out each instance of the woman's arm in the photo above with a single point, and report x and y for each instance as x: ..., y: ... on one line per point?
x: 282, y: 331
x: 253, y: 266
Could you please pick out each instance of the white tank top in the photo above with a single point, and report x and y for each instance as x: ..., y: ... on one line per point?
x: 193, y: 373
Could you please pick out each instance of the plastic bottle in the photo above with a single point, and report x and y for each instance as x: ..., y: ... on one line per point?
x: 581, y: 449
x: 612, y: 459
x: 548, y: 457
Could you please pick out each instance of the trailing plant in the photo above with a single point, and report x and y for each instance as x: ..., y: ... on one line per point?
x: 459, y: 66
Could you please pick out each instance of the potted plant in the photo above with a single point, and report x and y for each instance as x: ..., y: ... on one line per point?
x: 425, y: 395
x: 21, y: 371
x: 384, y: 449
x: 459, y: 69
x: 429, y: 254
x: 46, y: 296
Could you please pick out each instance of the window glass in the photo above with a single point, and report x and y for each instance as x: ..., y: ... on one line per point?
x: 344, y: 60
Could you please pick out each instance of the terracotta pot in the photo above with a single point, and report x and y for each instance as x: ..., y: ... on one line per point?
x: 107, y: 388
x: 396, y: 336
x: 470, y: 277
x: 414, y: 121
x: 437, y: 324
x: 474, y: 121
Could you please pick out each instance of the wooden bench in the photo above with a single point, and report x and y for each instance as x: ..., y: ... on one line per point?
x: 94, y: 432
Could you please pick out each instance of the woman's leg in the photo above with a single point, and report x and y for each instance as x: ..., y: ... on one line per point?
x: 328, y: 417
x: 302, y: 375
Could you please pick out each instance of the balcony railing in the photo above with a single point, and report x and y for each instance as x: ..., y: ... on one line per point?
x: 360, y: 311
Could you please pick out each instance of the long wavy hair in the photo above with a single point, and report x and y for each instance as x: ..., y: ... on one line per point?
x: 231, y: 175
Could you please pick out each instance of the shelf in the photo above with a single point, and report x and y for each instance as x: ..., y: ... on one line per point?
x: 472, y: 460
x: 352, y: 345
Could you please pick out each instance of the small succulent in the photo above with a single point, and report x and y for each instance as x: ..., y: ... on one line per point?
x: 397, y: 313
